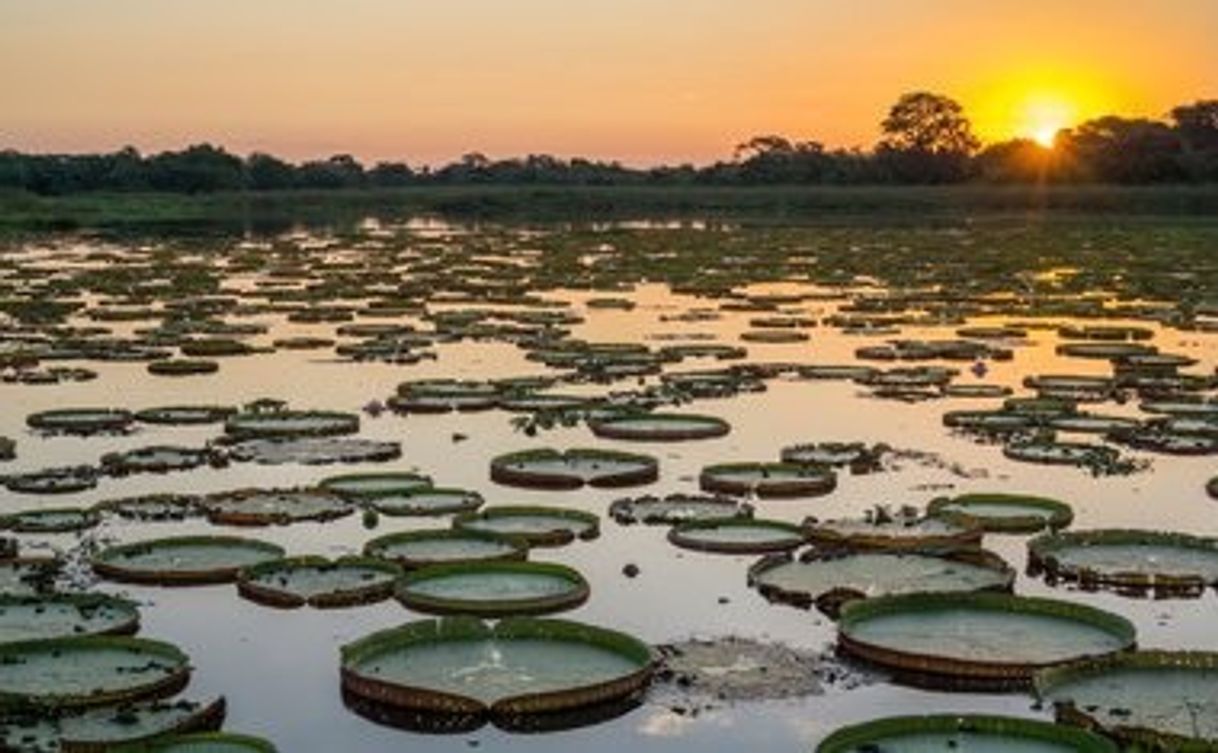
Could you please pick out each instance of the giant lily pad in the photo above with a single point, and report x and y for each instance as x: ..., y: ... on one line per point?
x: 983, y: 640
x: 517, y: 667
x: 829, y: 578
x: 80, y: 420
x: 659, y: 427
x: 184, y: 415
x: 156, y: 459
x: 24, y: 618
x: 551, y: 469
x: 901, y: 531
x: 1006, y: 513
x: 108, y: 727
x: 443, y: 395
x: 263, y: 507
x: 737, y: 536
x: 971, y: 732
x: 535, y: 526
x: 413, y: 549
x: 1137, y: 561
x: 152, y: 507
x: 318, y: 582
x: 677, y: 508
x: 768, y: 479
x: 1153, y: 700
x: 51, y: 520
x: 427, y: 501
x: 209, y: 742
x: 493, y: 589
x: 1061, y: 453
x: 287, y: 423
x: 314, y: 450
x: 89, y: 671
x: 369, y: 485
x: 68, y: 480
x: 183, y: 560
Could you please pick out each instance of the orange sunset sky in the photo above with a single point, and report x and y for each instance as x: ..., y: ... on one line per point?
x: 642, y: 81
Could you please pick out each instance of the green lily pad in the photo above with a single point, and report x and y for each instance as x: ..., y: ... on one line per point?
x: 493, y: 589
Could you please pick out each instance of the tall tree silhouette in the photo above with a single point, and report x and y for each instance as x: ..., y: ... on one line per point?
x: 927, y: 139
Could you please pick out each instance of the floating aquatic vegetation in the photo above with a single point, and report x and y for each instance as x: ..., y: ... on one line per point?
x: 183, y: 560
x: 318, y: 582
x: 659, y: 427
x: 737, y: 536
x: 363, y: 486
x: 313, y: 450
x: 677, y: 508
x: 81, y: 421
x: 158, y: 459
x: 1130, y: 561
x: 50, y: 520
x: 135, y: 724
x: 50, y: 375
x: 426, y: 501
x: 222, y: 742
x: 263, y: 507
x: 89, y: 671
x: 443, y: 396
x: 493, y: 588
x: 1003, y: 513
x: 904, y: 530
x: 1160, y: 700
x: 25, y: 618
x: 8, y: 449
x: 829, y: 578
x: 414, y: 549
x: 977, y: 640
x: 768, y: 479
x: 153, y: 507
x: 540, y: 667
x: 53, y: 480
x: 270, y: 424
x: 184, y: 415
x: 181, y: 367
x: 571, y: 469
x: 533, y: 525
x: 964, y: 732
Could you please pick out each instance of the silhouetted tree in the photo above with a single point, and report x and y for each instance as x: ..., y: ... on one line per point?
x: 1197, y: 125
x: 195, y: 169
x: 1123, y: 150
x: 927, y: 139
x: 266, y: 173
x: 339, y: 171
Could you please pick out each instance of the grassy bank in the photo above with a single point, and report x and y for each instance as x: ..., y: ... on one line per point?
x: 23, y: 211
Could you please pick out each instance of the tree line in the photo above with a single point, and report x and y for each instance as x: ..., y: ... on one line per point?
x: 927, y: 139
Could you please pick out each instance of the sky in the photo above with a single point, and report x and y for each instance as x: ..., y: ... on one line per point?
x: 640, y: 81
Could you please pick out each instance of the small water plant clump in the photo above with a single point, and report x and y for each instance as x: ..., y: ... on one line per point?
x: 571, y: 469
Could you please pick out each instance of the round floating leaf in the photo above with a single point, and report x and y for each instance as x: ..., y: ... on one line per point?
x: 262, y: 507
x: 552, y: 469
x: 973, y: 732
x: 412, y: 549
x: 183, y: 560
x: 677, y: 508
x: 427, y: 501
x: 977, y: 640
x: 737, y: 536
x: 81, y: 420
x: 51, y: 520
x: 207, y: 742
x: 286, y: 423
x: 369, y: 485
x: 660, y: 427
x: 134, y: 724
x: 493, y: 589
x: 768, y: 479
x: 1129, y: 560
x: 24, y: 618
x: 184, y: 415
x: 535, y: 526
x: 318, y: 582
x: 1005, y: 513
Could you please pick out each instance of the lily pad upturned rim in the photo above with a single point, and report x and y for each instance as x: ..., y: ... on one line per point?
x: 831, y: 602
x: 942, y: 671
x: 183, y: 367
x: 860, y: 736
x: 622, y: 510
x: 89, y: 518
x: 1049, y: 680
x: 1042, y: 559
x: 684, y: 536
x: 159, y: 688
x: 502, y: 472
x: 1060, y: 514
x: 472, y: 629
x: 334, y: 423
x: 127, y: 626
x: 553, y: 537
x: 169, y: 744
x: 59, y: 420
x: 104, y: 566
x: 331, y: 483
x: 619, y: 427
x: 799, y: 480
x: 1096, y: 452
x: 345, y: 597
x: 579, y: 593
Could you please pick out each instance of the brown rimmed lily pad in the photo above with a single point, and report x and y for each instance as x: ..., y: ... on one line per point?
x: 183, y: 560
x: 659, y: 427
x: 51, y: 520
x: 82, y: 421
x: 1131, y: 561
x: 24, y: 618
x: 738, y: 536
x: 130, y: 726
x: 1003, y: 513
x: 318, y: 582
x: 773, y: 480
x: 571, y: 469
x: 264, y: 507
x: 973, y: 732
x: 533, y: 525
x: 493, y: 589
x: 413, y: 549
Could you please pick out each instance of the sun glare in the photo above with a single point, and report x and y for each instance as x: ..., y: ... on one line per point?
x: 1043, y: 116
x: 1046, y: 135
